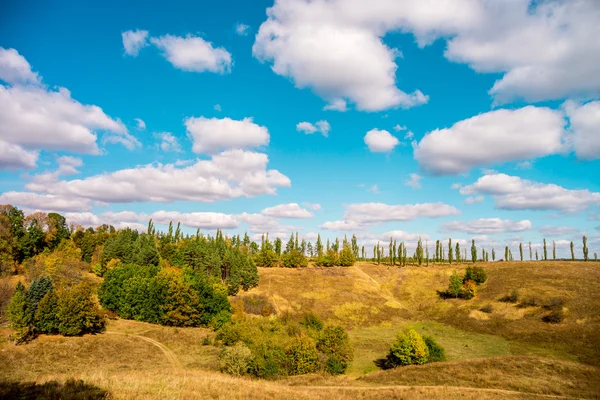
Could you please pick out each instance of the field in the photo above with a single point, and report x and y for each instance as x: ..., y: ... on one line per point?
x: 506, y: 352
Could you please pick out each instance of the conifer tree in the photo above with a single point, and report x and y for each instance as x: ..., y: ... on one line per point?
x: 278, y: 245
x: 378, y: 254
x: 506, y: 253
x: 493, y: 254
x: 19, y: 313
x: 585, y: 249
x: 309, y: 249
x: 354, y: 246
x: 572, y: 252
x: 390, y: 250
x: 427, y: 252
x: 319, y: 245
x: 545, y: 251
x: 419, y: 252
x: 521, y: 251
x: 450, y: 255
x: 364, y: 255
x: 474, y: 252
x: 457, y: 252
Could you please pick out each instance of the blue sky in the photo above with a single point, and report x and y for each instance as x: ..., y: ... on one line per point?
x: 383, y: 119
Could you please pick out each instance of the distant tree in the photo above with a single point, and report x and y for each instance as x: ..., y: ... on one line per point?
x: 457, y: 252
x: 364, y: 255
x: 309, y: 249
x: 521, y: 251
x: 419, y: 252
x: 506, y: 253
x: 294, y: 259
x: 378, y: 254
x: 302, y: 356
x: 595, y: 256
x: 290, y: 244
x: 334, y: 343
x: 319, y: 245
x: 553, y: 250
x: 278, y: 245
x: 530, y: 252
x: 455, y: 286
x: 572, y: 251
x: 493, y: 254
x: 437, y: 251
x: 354, y: 246
x: 474, y: 252
x: 450, y: 255
x: 536, y: 255
x: 487, y: 256
x: 545, y: 251
x: 585, y: 249
x: 19, y: 314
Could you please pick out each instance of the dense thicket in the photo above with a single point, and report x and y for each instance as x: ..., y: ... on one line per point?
x: 411, y: 348
x: 167, y: 296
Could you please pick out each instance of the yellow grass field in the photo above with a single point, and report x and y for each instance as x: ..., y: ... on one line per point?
x: 506, y: 353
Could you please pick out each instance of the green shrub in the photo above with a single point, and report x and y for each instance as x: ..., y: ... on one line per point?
x: 469, y: 290
x: 328, y: 259
x: 268, y: 361
x: 311, y: 321
x: 294, y: 259
x: 235, y: 360
x: 488, y: 308
x: 77, y: 312
x: 409, y: 348
x: 19, y: 314
x: 46, y: 318
x: 301, y: 356
x: 436, y: 352
x: 346, y: 258
x: 554, y: 317
x: 455, y: 286
x: 334, y: 343
x: 513, y: 297
x: 229, y: 334
x: 479, y: 275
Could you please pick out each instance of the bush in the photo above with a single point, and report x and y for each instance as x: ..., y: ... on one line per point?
x: 346, y: 258
x: 301, y: 356
x: 554, y: 303
x: 268, y: 361
x: 513, y: 297
x: 235, y: 360
x: 77, y: 312
x: 294, y: 259
x: 479, y: 275
x: 554, y: 317
x: 469, y: 290
x: 529, y: 302
x: 328, y: 259
x: 455, y: 286
x: 335, y: 344
x: 436, y: 352
x: 229, y: 334
x: 311, y: 321
x: 409, y: 348
x: 488, y: 308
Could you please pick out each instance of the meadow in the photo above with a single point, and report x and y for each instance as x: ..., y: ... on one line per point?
x: 505, y: 351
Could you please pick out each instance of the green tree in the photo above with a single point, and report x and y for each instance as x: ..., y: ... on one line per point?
x: 294, y: 259
x: 334, y: 343
x: 457, y: 252
x: 77, y: 312
x: 46, y: 318
x: 419, y: 252
x: 474, y: 252
x: 545, y: 251
x: 278, y: 247
x: 493, y: 254
x: 319, y: 245
x: 554, y: 250
x: 409, y: 348
x: 506, y: 253
x: 585, y: 249
x: 530, y: 252
x: 572, y: 251
x: 301, y: 356
x: 19, y: 314
x: 455, y: 286
x: 450, y: 255
x: 521, y: 251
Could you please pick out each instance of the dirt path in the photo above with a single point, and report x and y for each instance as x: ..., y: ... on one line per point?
x: 166, y: 351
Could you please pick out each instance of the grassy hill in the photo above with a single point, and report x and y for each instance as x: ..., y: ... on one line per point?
x: 506, y: 353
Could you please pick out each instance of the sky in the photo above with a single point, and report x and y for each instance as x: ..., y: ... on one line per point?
x: 471, y: 119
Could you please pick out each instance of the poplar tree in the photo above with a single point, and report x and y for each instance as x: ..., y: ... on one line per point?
x: 354, y: 246
x: 378, y: 254
x: 474, y: 252
x: 545, y: 251
x: 554, y: 250
x: 521, y: 251
x: 278, y: 247
x: 493, y: 254
x: 395, y: 255
x: 437, y: 251
x: 450, y: 255
x: 572, y: 252
x: 585, y: 249
x: 536, y: 255
x: 427, y: 252
x: 506, y: 253
x: 390, y: 250
x: 364, y: 256
x: 530, y: 252
x: 487, y: 256
x: 419, y: 252
x: 457, y: 252
x: 319, y: 245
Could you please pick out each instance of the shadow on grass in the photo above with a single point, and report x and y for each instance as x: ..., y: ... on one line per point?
x: 70, y: 390
x: 383, y: 363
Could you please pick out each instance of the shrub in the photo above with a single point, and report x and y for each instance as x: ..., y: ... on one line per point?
x: 513, y: 297
x: 19, y: 314
x: 334, y: 343
x: 301, y: 356
x: 529, y: 302
x: 328, y: 259
x: 346, y: 258
x: 469, y: 290
x: 268, y: 361
x: 554, y: 317
x: 479, y: 275
x: 554, y: 303
x: 229, y: 334
x: 311, y: 321
x: 235, y: 360
x: 455, y: 287
x: 294, y: 259
x: 488, y: 308
x: 409, y: 348
x: 46, y: 318
x: 436, y: 352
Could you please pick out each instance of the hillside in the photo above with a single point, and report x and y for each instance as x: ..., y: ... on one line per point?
x: 508, y: 353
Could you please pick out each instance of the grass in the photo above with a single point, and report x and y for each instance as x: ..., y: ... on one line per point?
x: 506, y: 352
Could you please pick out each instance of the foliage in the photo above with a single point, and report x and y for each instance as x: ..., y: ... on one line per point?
x: 335, y: 344
x: 327, y: 259
x: 77, y: 312
x: 312, y: 321
x: 346, y: 257
x: 409, y: 348
x: 513, y: 297
x: 235, y: 360
x: 301, y: 356
x: 46, y: 319
x: 469, y: 290
x: 436, y: 352
x: 455, y: 286
x: 294, y: 259
x: 554, y: 317
x: 18, y: 313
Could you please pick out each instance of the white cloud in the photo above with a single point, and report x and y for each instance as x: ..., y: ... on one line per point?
x: 370, y: 213
x: 260, y: 223
x: 15, y: 69
x: 514, y: 193
x: 335, y: 48
x: 558, y: 230
x: 141, y: 125
x: 13, y: 156
x: 313, y: 206
x: 168, y: 142
x: 213, y: 134
x: 490, y: 138
x: 402, y: 236
x: 474, y: 200
x: 194, y: 54
x: 336, y: 105
x: 242, y: 29
x: 374, y: 189
x: 202, y: 220
x: 399, y: 128
x: 134, y: 41
x: 409, y: 135
x: 380, y: 141
x: 217, y: 107
x: 585, y: 127
x: 291, y: 210
x: 347, y: 226
x: 68, y: 165
x: 525, y: 165
x: 227, y: 175
x: 487, y: 226
x: 45, y: 202
x: 319, y: 126
x: 414, y: 181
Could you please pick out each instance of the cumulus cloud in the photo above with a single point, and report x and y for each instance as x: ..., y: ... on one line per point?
x: 13, y: 156
x: 414, y: 181
x: 558, y: 230
x: 320, y: 126
x: 15, y: 69
x: 399, y: 128
x: 210, y: 135
x: 331, y: 48
x: 227, y: 175
x: 134, y: 41
x: 490, y: 138
x: 336, y: 105
x: 380, y: 141
x: 68, y: 165
x: 141, y: 125
x: 168, y: 142
x: 514, y: 193
x: 45, y: 202
x: 585, y: 128
x: 291, y: 210
x: 242, y: 29
x: 474, y: 200
x: 487, y: 226
x: 194, y: 54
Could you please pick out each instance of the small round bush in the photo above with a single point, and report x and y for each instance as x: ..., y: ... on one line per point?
x: 436, y: 352
x: 469, y: 290
x: 302, y: 356
x: 409, y: 348
x: 235, y: 360
x: 556, y: 316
